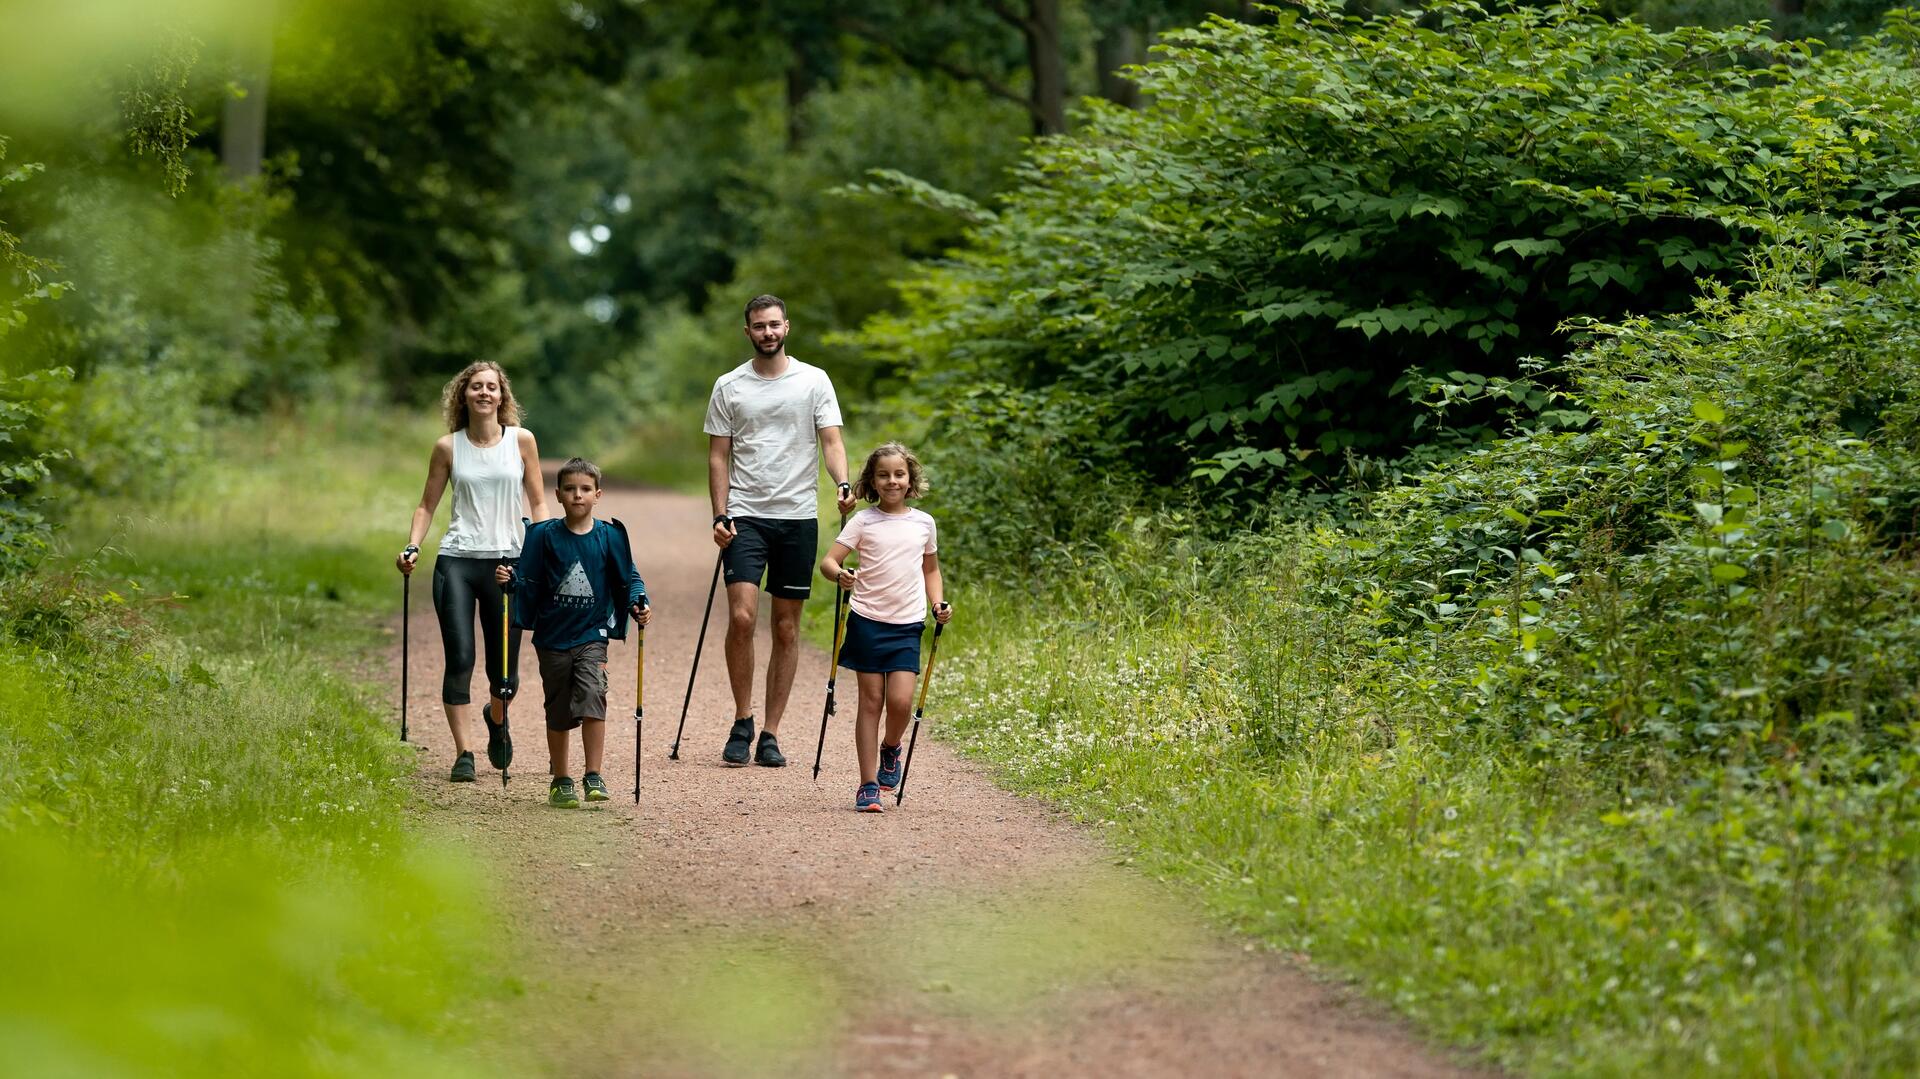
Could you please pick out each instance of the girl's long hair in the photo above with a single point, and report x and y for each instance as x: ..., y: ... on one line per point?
x: 863, y: 487
x: 453, y: 399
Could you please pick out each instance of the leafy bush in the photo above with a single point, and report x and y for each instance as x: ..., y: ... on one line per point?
x: 178, y: 305
x: 1318, y: 218
x: 1722, y: 560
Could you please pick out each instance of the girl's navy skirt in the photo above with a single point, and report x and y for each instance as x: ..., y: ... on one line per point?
x: 880, y: 647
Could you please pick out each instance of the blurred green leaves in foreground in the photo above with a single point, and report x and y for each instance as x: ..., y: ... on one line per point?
x: 203, y: 865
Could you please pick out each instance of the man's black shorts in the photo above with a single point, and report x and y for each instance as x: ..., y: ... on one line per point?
x: 781, y: 549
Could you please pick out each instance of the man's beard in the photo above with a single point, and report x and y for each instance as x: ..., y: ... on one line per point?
x: 770, y: 350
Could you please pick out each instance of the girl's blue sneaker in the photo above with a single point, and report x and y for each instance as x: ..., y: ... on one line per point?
x: 889, y: 767
x: 867, y: 799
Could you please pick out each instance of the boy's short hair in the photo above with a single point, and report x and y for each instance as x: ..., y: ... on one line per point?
x: 575, y: 466
x: 764, y: 301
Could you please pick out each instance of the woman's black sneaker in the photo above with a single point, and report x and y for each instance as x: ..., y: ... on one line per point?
x: 462, y: 768
x: 499, y: 742
x: 768, y: 754
x: 739, y: 742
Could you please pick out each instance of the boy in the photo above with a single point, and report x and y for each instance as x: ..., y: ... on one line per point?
x: 574, y: 588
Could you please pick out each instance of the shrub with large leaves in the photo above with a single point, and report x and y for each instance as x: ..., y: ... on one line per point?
x: 1320, y: 219
x: 1722, y: 559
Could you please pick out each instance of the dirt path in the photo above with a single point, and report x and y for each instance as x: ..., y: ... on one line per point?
x: 747, y: 921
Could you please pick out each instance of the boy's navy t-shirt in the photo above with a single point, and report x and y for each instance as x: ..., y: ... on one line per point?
x: 574, y: 580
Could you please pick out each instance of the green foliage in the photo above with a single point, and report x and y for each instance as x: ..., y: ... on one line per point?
x: 1720, y: 561
x: 24, y: 529
x: 1229, y: 732
x: 23, y: 464
x: 158, y: 120
x: 178, y: 305
x: 201, y: 822
x: 1317, y: 219
x: 1826, y: 20
x: 814, y: 235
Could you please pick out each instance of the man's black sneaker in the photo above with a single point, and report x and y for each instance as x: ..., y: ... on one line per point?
x: 499, y: 742
x: 738, y: 741
x: 768, y: 753
x: 462, y: 768
x: 596, y: 787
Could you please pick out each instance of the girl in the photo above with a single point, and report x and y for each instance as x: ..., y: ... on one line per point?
x: 493, y: 464
x: 899, y: 575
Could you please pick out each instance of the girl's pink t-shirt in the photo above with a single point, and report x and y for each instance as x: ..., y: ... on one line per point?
x: 891, y: 584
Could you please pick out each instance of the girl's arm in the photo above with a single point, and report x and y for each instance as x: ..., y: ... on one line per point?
x: 439, y: 468
x: 936, y: 587
x: 832, y: 570
x: 530, y: 477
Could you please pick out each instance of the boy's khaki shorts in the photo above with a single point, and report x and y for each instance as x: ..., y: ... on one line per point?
x: 575, y: 680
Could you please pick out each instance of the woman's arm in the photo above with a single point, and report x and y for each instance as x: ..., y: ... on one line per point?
x: 439, y: 468
x: 530, y: 477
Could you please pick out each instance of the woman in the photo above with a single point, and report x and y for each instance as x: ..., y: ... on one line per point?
x: 493, y: 464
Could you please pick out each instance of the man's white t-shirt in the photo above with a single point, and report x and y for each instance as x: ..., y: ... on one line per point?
x: 774, y: 424
x: 891, y: 583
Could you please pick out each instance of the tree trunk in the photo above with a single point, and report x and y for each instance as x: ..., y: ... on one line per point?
x: 243, y: 120
x: 1048, y: 67
x: 800, y: 83
x: 1786, y: 17
x: 1118, y: 47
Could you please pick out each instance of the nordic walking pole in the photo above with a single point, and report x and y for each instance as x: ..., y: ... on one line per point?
x: 674, y: 754
x: 639, y: 699
x: 925, y: 681
x: 833, y: 670
x: 406, y: 608
x: 833, y: 666
x: 506, y: 691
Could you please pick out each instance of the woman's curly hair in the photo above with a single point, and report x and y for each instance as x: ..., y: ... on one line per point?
x: 453, y: 399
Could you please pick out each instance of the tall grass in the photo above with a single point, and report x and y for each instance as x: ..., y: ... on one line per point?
x: 1570, y: 918
x: 202, y: 850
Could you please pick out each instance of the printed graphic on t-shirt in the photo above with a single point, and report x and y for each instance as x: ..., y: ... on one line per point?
x: 575, y: 589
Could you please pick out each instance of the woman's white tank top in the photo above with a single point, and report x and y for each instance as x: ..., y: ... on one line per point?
x: 486, y: 498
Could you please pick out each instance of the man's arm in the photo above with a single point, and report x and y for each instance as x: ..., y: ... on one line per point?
x: 835, y: 451
x: 719, y: 465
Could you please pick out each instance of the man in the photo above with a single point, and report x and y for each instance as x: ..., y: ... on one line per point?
x: 764, y: 420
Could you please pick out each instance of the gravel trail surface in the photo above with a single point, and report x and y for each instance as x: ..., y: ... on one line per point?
x: 745, y: 921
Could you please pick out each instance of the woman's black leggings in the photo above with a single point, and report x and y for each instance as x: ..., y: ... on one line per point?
x: 459, y: 585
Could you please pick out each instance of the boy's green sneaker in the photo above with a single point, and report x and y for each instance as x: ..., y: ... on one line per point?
x: 462, y: 768
x: 561, y: 795
x: 596, y: 787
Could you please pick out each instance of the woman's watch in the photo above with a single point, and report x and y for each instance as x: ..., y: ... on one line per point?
x: 411, y: 548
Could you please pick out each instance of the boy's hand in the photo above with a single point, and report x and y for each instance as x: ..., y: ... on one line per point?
x: 642, y: 613
x: 843, y: 497
x: 943, y: 613
x: 846, y: 578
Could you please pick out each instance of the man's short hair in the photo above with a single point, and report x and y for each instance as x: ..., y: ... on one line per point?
x: 576, y: 466
x: 764, y: 301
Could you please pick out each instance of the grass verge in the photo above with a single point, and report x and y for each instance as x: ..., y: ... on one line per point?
x: 1569, y: 920
x: 200, y: 818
